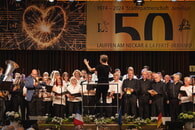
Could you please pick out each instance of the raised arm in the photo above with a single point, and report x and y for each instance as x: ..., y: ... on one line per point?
x: 86, y: 62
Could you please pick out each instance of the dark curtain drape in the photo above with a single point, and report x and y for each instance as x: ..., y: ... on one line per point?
x: 165, y: 62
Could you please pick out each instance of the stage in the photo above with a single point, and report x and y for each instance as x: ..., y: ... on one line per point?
x: 95, y: 127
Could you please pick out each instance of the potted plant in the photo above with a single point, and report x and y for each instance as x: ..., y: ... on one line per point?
x: 13, y: 117
x: 188, y: 118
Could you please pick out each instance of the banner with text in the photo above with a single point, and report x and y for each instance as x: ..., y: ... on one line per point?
x: 155, y: 26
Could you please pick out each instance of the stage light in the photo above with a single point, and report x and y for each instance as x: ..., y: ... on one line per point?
x: 119, y: 0
x: 139, y: 2
x: 71, y: 0
x: 18, y: 0
x: 51, y: 0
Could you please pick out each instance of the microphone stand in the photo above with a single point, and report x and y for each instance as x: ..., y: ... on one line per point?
x: 61, y: 100
x: 193, y: 94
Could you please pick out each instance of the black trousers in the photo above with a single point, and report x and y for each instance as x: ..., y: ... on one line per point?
x: 59, y: 110
x: 2, y: 110
x: 116, y: 102
x: 144, y: 106
x: 130, y: 104
x: 73, y: 107
x: 101, y: 90
x: 166, y: 108
x: 48, y: 108
x: 188, y: 106
x: 174, y: 109
x: 18, y: 102
x: 35, y: 106
x: 89, y: 101
x: 157, y: 106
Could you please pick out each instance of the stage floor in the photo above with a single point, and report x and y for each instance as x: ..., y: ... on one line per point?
x: 94, y: 127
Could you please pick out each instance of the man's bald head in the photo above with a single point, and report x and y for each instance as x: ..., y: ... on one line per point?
x: 34, y: 73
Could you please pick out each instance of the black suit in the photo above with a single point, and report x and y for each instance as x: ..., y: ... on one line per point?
x: 144, y: 97
x: 157, y: 100
x: 130, y: 100
x: 172, y: 92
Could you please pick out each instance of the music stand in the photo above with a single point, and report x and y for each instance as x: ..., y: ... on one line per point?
x: 6, y: 85
x: 90, y: 87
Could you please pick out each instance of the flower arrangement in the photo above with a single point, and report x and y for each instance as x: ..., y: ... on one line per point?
x: 126, y: 118
x: 13, y: 116
x: 57, y: 121
x: 70, y: 118
x: 100, y: 121
x: 140, y: 122
x: 89, y: 118
x: 187, y: 116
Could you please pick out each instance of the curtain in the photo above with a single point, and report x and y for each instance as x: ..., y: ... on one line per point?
x: 165, y: 62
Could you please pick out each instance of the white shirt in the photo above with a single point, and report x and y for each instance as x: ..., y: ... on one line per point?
x: 126, y: 77
x: 66, y: 83
x: 79, y: 81
x: 114, y: 87
x: 74, y: 90
x: 188, y: 98
x: 94, y: 77
x: 59, y: 99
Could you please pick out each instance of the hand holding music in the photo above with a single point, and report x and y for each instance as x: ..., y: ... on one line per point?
x: 128, y: 90
x: 180, y: 95
x: 152, y: 92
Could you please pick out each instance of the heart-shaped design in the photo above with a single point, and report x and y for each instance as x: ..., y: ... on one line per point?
x: 44, y: 26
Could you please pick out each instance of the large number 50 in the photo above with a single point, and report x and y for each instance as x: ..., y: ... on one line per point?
x: 148, y: 25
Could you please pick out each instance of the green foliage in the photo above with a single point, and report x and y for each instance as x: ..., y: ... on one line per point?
x: 187, y: 116
x: 13, y: 116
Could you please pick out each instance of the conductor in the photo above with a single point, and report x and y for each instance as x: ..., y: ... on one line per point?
x: 103, y: 70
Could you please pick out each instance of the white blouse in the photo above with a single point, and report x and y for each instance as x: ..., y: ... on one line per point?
x: 188, y: 90
x: 115, y: 86
x: 74, y: 90
x: 59, y: 99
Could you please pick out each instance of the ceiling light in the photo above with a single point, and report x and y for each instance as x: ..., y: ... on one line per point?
x: 51, y: 0
x: 139, y: 2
